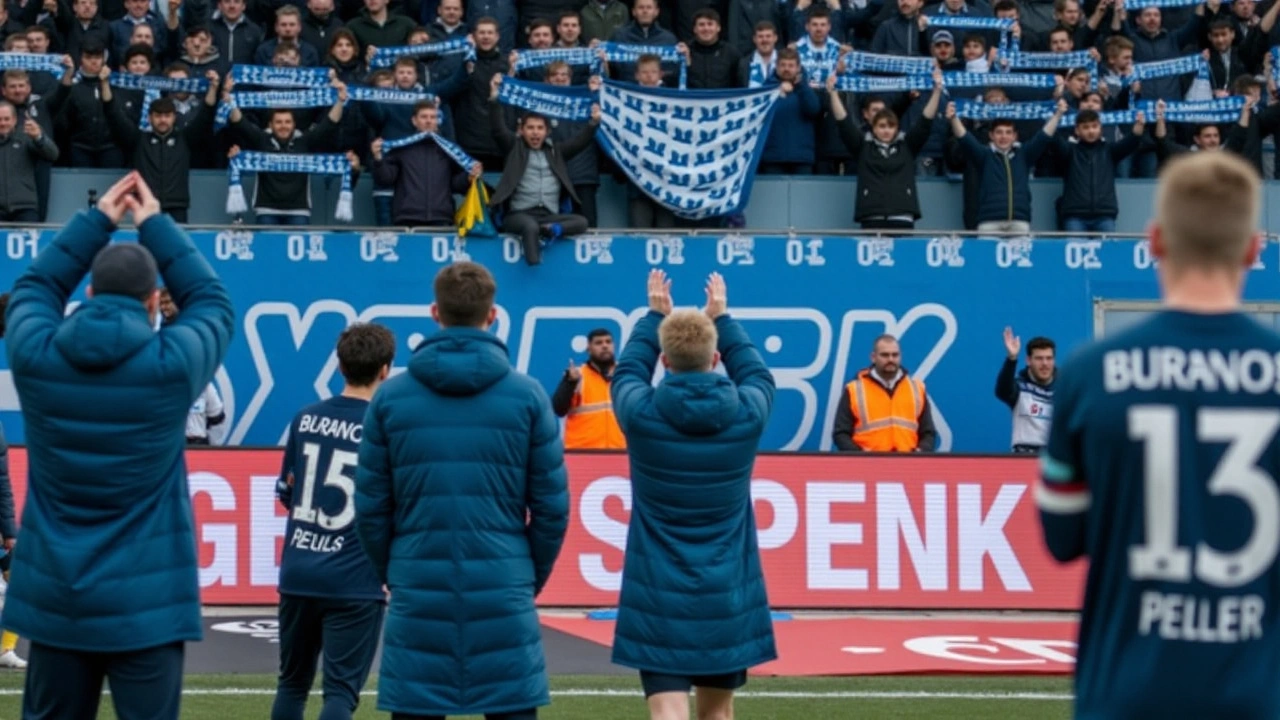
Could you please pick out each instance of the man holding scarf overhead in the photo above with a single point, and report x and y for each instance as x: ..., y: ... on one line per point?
x: 535, y: 181
x: 423, y: 171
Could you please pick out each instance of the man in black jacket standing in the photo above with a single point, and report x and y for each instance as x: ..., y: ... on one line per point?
x: 77, y: 106
x: 162, y: 155
x: 423, y: 175
x: 535, y: 180
x: 1088, y: 165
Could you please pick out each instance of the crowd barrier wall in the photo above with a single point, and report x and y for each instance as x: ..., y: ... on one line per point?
x: 802, y: 203
x: 813, y: 304
x: 915, y: 532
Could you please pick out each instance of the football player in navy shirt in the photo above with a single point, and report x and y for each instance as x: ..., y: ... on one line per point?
x: 1161, y: 468
x: 330, y: 599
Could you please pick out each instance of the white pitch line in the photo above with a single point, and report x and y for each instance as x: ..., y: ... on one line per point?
x: 784, y: 694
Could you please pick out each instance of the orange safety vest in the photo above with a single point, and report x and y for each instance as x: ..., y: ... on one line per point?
x: 884, y: 422
x: 590, y: 424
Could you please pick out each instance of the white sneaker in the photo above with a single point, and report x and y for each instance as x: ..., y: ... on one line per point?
x: 12, y: 661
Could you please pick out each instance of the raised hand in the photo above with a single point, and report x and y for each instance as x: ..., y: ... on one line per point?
x: 1012, y: 343
x: 142, y: 202
x: 574, y: 371
x: 717, y: 296
x: 659, y: 292
x: 114, y: 203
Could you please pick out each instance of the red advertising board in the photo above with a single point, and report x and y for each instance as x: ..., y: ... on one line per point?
x: 835, y: 531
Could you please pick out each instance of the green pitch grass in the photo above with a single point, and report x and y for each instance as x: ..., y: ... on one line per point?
x: 219, y: 697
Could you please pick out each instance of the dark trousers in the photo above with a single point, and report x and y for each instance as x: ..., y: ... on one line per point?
x: 179, y: 215
x: 28, y: 215
x: 281, y: 220
x: 886, y: 224
x: 642, y: 212
x: 785, y: 168
x: 67, y: 684
x: 346, y: 632
x: 112, y: 157
x: 44, y: 174
x: 588, y: 208
x: 529, y: 225
x: 522, y: 715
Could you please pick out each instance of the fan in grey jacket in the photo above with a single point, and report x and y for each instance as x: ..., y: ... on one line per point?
x: 20, y: 148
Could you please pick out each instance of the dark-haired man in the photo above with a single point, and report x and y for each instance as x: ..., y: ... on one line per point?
x: 583, y: 400
x: 461, y: 492
x: 535, y: 180
x: 331, y: 601
x: 1029, y: 392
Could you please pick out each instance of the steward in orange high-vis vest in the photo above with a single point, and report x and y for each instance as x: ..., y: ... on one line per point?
x: 583, y: 400
x: 884, y: 409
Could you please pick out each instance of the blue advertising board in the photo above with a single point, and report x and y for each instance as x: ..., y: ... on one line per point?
x: 812, y: 304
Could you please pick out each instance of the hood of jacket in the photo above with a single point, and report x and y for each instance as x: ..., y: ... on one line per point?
x: 702, y: 403
x: 103, y: 332
x: 460, y: 361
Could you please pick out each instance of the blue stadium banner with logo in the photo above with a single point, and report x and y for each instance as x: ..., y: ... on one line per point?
x: 812, y: 304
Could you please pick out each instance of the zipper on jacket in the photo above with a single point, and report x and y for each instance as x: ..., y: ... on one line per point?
x: 1008, y: 176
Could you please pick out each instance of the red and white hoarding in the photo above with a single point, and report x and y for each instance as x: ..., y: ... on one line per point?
x: 835, y: 531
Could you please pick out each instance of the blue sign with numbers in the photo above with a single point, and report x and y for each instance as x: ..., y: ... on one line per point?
x: 812, y: 304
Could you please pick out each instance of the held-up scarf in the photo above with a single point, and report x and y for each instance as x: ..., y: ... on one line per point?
x: 385, y: 57
x: 459, y: 155
x: 286, y: 99
x: 1217, y: 110
x: 152, y: 86
x: 630, y: 53
x: 32, y: 62
x: 528, y: 59
x: 260, y: 162
x: 565, y: 103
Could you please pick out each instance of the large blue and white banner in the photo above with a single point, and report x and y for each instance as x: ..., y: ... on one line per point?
x: 812, y: 304
x: 693, y: 151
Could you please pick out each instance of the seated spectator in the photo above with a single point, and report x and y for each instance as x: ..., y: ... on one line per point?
x: 713, y: 63
x: 1088, y: 164
x: 789, y: 148
x: 137, y: 12
x: 422, y: 176
x: 284, y: 198
x: 886, y: 160
x: 584, y: 168
x: 757, y: 69
x: 1003, y: 169
x: 162, y: 154
x: 20, y: 147
x: 78, y: 112
x: 535, y: 180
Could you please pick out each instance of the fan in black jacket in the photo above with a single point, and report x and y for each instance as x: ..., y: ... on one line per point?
x: 887, y: 196
x: 285, y: 198
x: 163, y: 154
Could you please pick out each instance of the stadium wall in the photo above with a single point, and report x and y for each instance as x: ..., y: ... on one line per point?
x: 805, y: 204
x: 910, y: 532
x: 812, y: 303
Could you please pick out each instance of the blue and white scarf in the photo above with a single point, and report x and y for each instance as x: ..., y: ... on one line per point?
x: 856, y: 62
x: 883, y: 84
x: 385, y: 96
x: 1136, y: 5
x: 1164, y: 68
x: 260, y: 162
x: 968, y: 22
x: 565, y: 103
x: 280, y: 77
x: 973, y: 110
x: 459, y: 155
x: 287, y: 99
x: 1051, y: 61
x: 1115, y: 117
x: 530, y: 59
x: 152, y: 86
x: 1218, y: 110
x: 1275, y: 63
x: 630, y: 53
x: 818, y: 63
x: 761, y: 70
x: 385, y: 57
x: 1018, y: 80
x: 32, y: 62
x: 694, y: 152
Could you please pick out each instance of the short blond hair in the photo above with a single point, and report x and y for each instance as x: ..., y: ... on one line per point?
x: 688, y: 339
x: 1207, y: 206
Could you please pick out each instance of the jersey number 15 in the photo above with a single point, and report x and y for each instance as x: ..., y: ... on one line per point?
x: 1247, y: 433
x: 341, y: 463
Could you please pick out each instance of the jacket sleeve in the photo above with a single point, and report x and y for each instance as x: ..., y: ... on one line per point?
x: 498, y: 124
x: 1036, y: 146
x: 579, y: 142
x: 387, y: 170
x: 927, y: 434
x: 562, y: 398
x: 451, y: 86
x: 632, y: 384
x: 38, y: 300
x: 8, y: 528
x: 842, y: 428
x: 125, y: 132
x: 375, y: 497
x: 199, y: 124
x: 810, y: 106
x: 206, y: 324
x: 745, y: 367
x: 1006, y: 388
x: 850, y: 136
x: 44, y: 148
x: 285, y: 483
x: 918, y: 135
x: 1063, y: 492
x: 548, y: 492
x: 1128, y: 145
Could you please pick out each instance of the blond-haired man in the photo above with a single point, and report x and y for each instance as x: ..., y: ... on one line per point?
x: 1161, y: 468
x: 693, y: 610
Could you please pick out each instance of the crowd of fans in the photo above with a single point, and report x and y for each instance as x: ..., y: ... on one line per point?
x: 81, y: 120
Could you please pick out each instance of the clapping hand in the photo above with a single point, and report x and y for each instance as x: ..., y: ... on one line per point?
x: 129, y: 195
x: 717, y: 296
x: 659, y: 292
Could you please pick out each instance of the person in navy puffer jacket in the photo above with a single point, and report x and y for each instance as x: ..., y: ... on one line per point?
x: 462, y: 504
x: 693, y: 610
x: 104, y: 577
